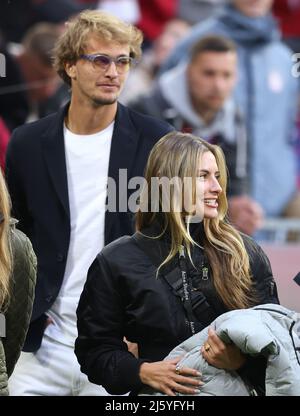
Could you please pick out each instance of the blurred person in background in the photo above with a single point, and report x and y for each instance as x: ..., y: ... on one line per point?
x: 31, y: 79
x: 154, y: 16
x: 14, y: 105
x: 197, y: 97
x: 194, y: 11
x: 288, y: 15
x: 266, y: 93
x: 142, y: 77
x: 40, y: 80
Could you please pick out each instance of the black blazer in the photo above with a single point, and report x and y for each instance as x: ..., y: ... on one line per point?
x: 37, y: 181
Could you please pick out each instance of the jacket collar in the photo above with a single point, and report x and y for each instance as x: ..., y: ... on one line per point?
x: 160, y: 247
x: 124, y: 143
x: 53, y: 145
x: 125, y: 139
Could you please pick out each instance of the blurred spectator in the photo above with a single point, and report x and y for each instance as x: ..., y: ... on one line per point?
x: 197, y: 98
x: 141, y: 77
x: 194, y: 11
x: 288, y: 14
x: 18, y: 16
x: 266, y: 93
x: 4, y: 138
x: 52, y: 104
x: 14, y: 105
x: 40, y: 80
x: 154, y: 15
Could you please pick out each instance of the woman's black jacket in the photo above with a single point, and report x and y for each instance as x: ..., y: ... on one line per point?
x: 123, y: 297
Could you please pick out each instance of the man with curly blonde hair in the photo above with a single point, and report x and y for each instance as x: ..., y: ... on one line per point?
x: 57, y: 171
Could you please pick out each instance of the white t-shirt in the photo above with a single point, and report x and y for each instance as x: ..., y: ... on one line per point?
x: 87, y: 160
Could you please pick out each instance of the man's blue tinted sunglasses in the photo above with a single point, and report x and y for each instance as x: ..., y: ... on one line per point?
x: 123, y: 63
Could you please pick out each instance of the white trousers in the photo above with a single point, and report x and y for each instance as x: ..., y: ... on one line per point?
x: 51, y: 371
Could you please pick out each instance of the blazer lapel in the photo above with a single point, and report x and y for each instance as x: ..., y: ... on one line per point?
x: 54, y: 153
x: 122, y: 154
x: 123, y: 149
x: 124, y: 144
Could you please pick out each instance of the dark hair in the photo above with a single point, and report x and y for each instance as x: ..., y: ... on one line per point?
x: 212, y: 43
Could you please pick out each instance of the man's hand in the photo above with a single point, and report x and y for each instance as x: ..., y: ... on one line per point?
x: 245, y: 214
x: 220, y: 355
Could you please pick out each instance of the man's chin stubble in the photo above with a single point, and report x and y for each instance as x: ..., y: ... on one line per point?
x: 99, y: 102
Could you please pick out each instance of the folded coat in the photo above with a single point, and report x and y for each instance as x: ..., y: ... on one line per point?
x: 265, y: 329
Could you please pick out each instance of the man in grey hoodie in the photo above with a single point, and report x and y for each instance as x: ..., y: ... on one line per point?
x: 267, y: 95
x: 197, y: 97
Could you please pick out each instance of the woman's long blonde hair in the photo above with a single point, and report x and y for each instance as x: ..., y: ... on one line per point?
x: 177, y: 155
x: 5, y: 249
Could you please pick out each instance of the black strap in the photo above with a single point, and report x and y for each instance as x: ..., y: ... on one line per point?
x: 187, y: 296
x: 198, y: 311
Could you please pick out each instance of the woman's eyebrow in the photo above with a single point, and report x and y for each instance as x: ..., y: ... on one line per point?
x: 206, y: 171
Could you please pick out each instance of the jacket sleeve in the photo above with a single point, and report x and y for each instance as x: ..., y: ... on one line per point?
x: 100, y: 349
x: 21, y: 299
x: 262, y: 274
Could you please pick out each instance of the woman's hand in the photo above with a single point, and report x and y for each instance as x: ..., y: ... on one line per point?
x: 168, y: 378
x: 220, y: 355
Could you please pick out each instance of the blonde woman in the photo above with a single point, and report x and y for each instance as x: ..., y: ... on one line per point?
x: 183, y: 267
x: 17, y: 283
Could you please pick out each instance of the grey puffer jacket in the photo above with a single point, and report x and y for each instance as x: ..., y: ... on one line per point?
x: 18, y: 314
x: 265, y: 329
